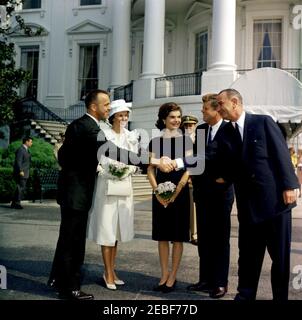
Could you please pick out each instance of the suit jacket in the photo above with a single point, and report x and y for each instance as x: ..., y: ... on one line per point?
x: 206, y: 182
x: 78, y: 160
x: 22, y: 162
x: 260, y: 168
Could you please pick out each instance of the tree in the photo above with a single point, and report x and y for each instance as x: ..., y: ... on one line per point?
x: 10, y: 77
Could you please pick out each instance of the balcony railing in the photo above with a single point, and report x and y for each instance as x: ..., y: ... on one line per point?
x: 295, y: 72
x: 188, y: 84
x: 124, y: 92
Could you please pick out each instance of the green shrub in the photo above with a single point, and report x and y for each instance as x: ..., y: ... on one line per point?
x: 7, y: 184
x: 42, y: 155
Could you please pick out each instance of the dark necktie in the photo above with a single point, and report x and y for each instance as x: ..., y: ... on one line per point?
x: 237, y: 135
x: 209, y: 140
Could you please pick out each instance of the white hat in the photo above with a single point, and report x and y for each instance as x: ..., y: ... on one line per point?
x: 119, y: 106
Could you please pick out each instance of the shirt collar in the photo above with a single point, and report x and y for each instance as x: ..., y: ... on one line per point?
x: 240, y: 121
x: 25, y: 146
x: 92, y: 117
x: 216, y: 126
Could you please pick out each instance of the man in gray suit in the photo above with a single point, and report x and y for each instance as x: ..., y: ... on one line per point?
x: 21, y: 171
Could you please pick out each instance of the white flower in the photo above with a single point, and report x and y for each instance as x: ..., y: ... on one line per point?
x: 166, y: 188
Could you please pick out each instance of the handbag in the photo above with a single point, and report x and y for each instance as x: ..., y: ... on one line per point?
x: 119, y: 187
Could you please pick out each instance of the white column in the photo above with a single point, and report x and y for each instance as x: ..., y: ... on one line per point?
x: 301, y: 48
x: 154, y: 34
x: 121, y: 42
x: 223, y: 35
x: 222, y: 70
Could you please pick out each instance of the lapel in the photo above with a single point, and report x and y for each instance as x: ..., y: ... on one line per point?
x: 247, y: 132
x: 220, y: 130
x: 26, y: 152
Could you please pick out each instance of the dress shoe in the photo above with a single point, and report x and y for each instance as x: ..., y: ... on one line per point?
x: 52, y: 283
x: 75, y: 295
x: 16, y: 206
x: 240, y: 297
x: 200, y: 286
x: 167, y: 289
x: 159, y: 287
x: 194, y: 242
x: 119, y: 282
x: 218, y: 292
x: 110, y: 286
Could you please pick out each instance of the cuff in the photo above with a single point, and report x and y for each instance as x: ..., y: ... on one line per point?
x: 179, y: 163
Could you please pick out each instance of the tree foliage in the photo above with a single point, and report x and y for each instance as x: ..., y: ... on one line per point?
x: 11, y: 77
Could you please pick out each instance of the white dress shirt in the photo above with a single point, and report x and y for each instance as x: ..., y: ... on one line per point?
x: 240, y: 123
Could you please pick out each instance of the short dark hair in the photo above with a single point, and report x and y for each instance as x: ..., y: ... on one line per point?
x: 92, y: 95
x: 164, y: 111
x: 230, y: 92
x: 26, y: 138
x: 212, y: 98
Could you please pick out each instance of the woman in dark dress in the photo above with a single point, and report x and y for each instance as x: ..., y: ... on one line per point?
x: 170, y: 218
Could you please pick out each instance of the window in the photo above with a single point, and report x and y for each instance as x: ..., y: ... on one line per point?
x: 267, y: 43
x: 31, y: 4
x: 30, y: 62
x: 88, y: 69
x: 201, y: 51
x: 90, y: 2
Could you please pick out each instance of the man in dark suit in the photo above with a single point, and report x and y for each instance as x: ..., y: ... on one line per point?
x: 258, y: 161
x: 21, y: 171
x: 78, y: 160
x: 214, y: 202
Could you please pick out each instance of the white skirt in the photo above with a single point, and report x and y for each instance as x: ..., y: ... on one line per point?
x: 111, y: 218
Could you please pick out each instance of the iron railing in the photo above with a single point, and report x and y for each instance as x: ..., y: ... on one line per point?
x: 124, y: 92
x: 296, y: 72
x: 29, y: 108
x: 73, y: 112
x: 178, y: 85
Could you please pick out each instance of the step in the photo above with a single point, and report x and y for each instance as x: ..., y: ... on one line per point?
x: 51, y: 123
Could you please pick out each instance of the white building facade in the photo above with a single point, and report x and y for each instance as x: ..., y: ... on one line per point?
x: 161, y: 50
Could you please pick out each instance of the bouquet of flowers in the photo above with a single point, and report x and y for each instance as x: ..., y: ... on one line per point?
x: 118, y: 170
x: 165, y: 190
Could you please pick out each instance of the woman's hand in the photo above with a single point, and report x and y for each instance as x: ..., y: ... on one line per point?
x: 176, y: 193
x: 161, y: 200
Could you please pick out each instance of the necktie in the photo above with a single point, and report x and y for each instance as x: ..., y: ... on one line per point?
x: 209, y: 139
x: 237, y: 135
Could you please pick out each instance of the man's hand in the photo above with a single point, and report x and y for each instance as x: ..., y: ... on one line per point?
x: 166, y: 164
x: 289, y: 196
x: 220, y: 180
x: 21, y: 173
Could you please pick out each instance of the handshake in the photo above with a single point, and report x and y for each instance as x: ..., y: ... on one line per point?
x: 164, y: 164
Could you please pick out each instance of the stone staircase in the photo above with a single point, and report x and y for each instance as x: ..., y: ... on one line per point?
x: 141, y: 187
x: 48, y: 130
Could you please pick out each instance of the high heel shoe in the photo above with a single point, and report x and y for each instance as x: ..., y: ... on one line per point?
x: 159, y: 287
x: 110, y: 286
x: 119, y: 282
x: 167, y: 289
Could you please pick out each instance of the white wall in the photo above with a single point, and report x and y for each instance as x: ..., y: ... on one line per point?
x: 59, y: 48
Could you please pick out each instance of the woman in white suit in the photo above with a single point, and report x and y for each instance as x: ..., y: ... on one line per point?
x: 111, y: 216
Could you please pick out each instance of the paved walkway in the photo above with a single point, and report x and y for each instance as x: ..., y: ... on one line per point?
x: 28, y: 238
